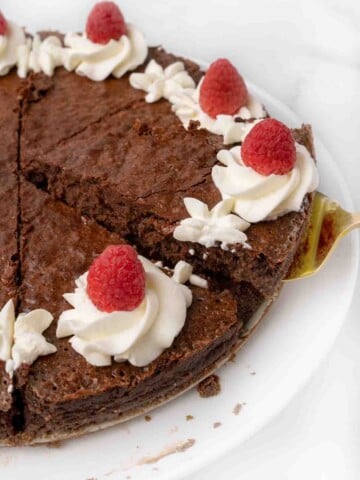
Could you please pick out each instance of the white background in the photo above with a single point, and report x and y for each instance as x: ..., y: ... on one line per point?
x: 307, y: 54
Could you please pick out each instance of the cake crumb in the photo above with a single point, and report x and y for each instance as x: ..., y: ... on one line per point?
x: 209, y: 387
x: 189, y: 417
x: 217, y: 424
x: 237, y: 409
x: 252, y: 373
x: 147, y: 418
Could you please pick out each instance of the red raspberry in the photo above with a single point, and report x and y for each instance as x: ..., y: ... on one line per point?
x: 223, y: 90
x: 269, y: 148
x: 116, y: 279
x: 105, y: 22
x: 3, y: 24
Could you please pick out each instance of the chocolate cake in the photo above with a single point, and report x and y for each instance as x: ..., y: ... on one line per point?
x: 85, y: 164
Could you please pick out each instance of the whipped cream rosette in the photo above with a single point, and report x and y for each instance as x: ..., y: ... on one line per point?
x: 14, y: 50
x: 161, y: 82
x: 259, y: 197
x: 21, y: 339
x: 233, y: 128
x: 97, y: 61
x: 45, y: 55
x: 176, y: 85
x: 115, y: 53
x: 209, y: 227
x: 139, y: 335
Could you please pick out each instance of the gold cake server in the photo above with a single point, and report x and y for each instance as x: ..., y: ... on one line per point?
x: 328, y: 224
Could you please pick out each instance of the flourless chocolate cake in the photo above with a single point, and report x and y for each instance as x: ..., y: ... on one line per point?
x: 86, y: 163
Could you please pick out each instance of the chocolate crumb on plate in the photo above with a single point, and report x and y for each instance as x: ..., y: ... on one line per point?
x: 209, y: 387
x: 237, y: 409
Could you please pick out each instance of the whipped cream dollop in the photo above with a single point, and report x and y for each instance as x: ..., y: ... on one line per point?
x: 208, y: 227
x: 29, y: 343
x: 97, y: 61
x: 138, y: 336
x: 233, y: 128
x: 21, y: 339
x: 45, y: 55
x: 14, y: 50
x: 161, y: 82
x: 257, y: 197
x: 176, y: 85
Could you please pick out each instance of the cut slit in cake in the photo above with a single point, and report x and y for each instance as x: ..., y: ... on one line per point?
x: 9, y: 126
x: 88, y: 164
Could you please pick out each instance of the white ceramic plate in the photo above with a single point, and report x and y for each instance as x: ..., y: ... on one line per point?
x: 268, y: 371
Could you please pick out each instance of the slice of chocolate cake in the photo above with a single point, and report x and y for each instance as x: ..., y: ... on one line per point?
x: 9, y: 127
x: 64, y: 394
x: 131, y: 171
